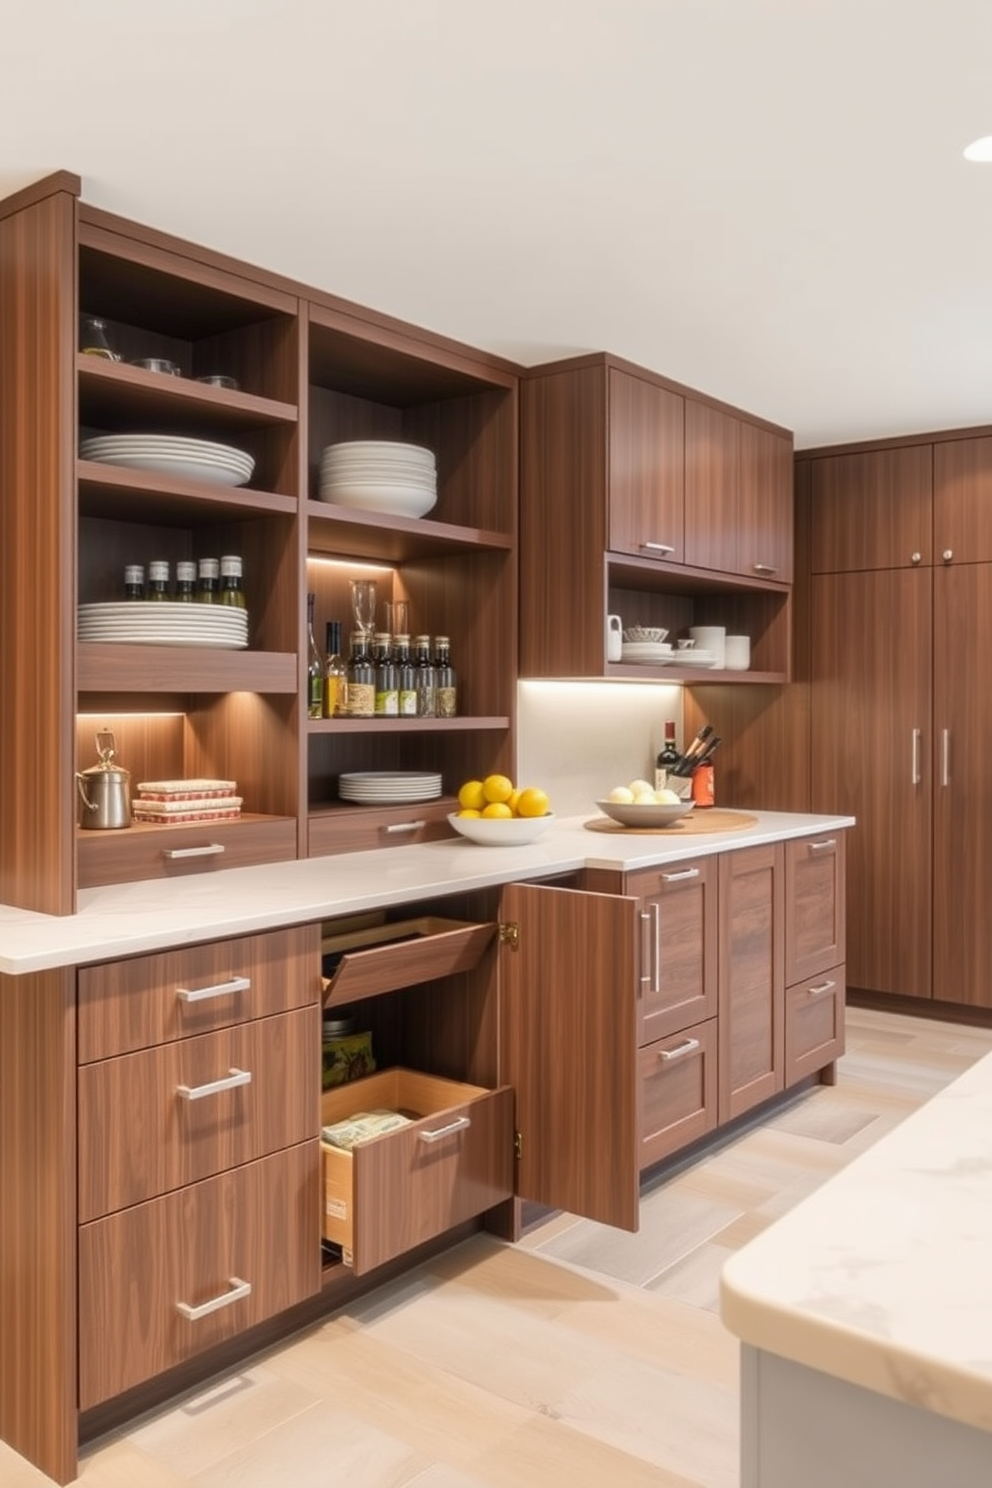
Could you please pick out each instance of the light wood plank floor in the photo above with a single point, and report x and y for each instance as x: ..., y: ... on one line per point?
x: 579, y: 1358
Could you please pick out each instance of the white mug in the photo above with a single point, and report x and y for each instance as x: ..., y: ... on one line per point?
x: 737, y: 653
x: 710, y: 638
x: 614, y: 638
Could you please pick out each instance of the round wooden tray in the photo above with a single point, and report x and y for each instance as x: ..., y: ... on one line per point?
x: 703, y: 819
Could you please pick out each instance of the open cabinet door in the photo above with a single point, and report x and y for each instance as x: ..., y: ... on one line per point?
x: 568, y: 992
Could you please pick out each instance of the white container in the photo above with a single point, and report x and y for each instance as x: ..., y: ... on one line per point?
x: 710, y: 638
x: 737, y: 653
x: 614, y: 638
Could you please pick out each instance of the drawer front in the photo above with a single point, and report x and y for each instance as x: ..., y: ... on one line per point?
x: 144, y: 852
x: 417, y: 1182
x: 364, y: 827
x: 128, y: 1005
x: 679, y: 946
x: 677, y: 1091
x: 137, y: 1269
x: 814, y: 905
x: 192, y: 1112
x: 814, y: 1023
x: 424, y: 950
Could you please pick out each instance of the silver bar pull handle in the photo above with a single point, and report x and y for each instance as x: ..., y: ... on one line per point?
x: 411, y: 826
x: 209, y: 851
x: 656, y: 949
x: 688, y: 1046
x: 459, y: 1124
x: 823, y: 987
x: 914, y: 759
x: 646, y: 976
x: 230, y: 1081
x: 823, y: 846
x: 657, y: 547
x: 219, y: 989
x: 764, y: 568
x: 677, y: 877
x: 239, y: 1289
x: 945, y: 756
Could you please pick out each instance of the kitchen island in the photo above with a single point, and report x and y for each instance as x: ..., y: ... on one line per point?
x: 865, y: 1313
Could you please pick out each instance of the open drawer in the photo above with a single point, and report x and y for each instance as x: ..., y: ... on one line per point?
x: 451, y: 1162
x: 385, y: 956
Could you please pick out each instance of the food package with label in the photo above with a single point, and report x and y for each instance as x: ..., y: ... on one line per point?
x: 346, y: 1054
x: 362, y: 1127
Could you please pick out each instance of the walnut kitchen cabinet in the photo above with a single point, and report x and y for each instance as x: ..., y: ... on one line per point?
x: 614, y: 503
x: 815, y: 940
x: 871, y: 509
x: 751, y: 978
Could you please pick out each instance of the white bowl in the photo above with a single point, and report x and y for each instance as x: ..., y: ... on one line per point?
x: 501, y: 831
x: 644, y: 633
x: 393, y: 500
x: 632, y: 815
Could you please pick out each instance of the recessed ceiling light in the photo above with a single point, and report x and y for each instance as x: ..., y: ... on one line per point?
x: 980, y: 150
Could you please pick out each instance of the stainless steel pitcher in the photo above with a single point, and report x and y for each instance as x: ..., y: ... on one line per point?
x: 104, y: 789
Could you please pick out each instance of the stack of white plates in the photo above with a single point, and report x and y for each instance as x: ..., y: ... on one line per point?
x: 388, y: 787
x: 163, y: 623
x: 171, y: 454
x: 380, y: 476
x: 646, y: 653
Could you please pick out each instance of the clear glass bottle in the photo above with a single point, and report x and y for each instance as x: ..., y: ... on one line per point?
x: 426, y: 677
x: 93, y: 338
x: 186, y: 582
x: 406, y: 677
x: 134, y: 581
x: 315, y: 666
x: 447, y: 682
x: 361, y: 678
x: 208, y: 582
x: 159, y: 580
x: 231, y: 592
x: 387, y: 693
x: 335, y: 674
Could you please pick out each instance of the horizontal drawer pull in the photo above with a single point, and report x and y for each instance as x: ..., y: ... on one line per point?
x: 819, y: 991
x: 822, y: 846
x: 688, y: 1046
x: 230, y: 1081
x: 459, y: 1124
x: 209, y: 851
x: 657, y: 547
x: 239, y: 1289
x: 765, y: 568
x: 219, y: 989
x: 676, y: 877
x: 413, y: 826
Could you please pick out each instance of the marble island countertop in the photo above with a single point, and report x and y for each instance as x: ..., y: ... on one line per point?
x: 883, y: 1277
x: 126, y: 919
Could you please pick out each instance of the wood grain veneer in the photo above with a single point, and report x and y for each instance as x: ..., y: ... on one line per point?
x: 814, y: 1024
x: 752, y: 980
x: 646, y: 466
x: 962, y: 508
x: 815, y: 899
x: 872, y: 509
x: 712, y: 487
x: 764, y: 516
x: 677, y: 1091
x: 680, y: 904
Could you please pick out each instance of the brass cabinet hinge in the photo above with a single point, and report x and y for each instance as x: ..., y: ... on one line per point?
x: 509, y: 934
x: 518, y: 1145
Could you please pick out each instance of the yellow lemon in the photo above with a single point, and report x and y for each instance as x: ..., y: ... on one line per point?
x: 468, y: 811
x: 533, y: 802
x: 497, y: 788
x: 497, y: 808
x: 512, y: 800
x: 471, y: 797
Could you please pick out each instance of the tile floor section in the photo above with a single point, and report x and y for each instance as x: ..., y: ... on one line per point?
x: 581, y: 1357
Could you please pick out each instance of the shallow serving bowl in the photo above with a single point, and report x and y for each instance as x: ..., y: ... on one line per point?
x: 644, y: 633
x: 495, y: 831
x: 631, y: 815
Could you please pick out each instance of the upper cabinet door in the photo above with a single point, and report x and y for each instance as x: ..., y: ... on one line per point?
x: 872, y: 509
x: 712, y: 487
x: 765, y: 516
x: 962, y: 501
x: 646, y: 433
x: 569, y: 1044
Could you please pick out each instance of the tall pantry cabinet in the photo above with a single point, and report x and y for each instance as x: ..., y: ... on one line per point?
x: 901, y: 608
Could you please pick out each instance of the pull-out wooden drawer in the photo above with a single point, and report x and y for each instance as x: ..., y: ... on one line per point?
x: 146, y: 852
x: 127, y: 1005
x: 400, y: 953
x: 153, y: 1121
x: 452, y: 1162
x: 677, y: 1084
x: 814, y: 1023
x: 359, y: 828
x: 161, y: 1282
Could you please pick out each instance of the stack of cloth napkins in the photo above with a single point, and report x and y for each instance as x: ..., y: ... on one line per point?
x: 175, y: 801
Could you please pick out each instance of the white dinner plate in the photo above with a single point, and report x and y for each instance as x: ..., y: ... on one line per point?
x: 217, y: 475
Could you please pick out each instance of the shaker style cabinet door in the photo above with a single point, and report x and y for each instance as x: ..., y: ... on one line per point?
x: 569, y: 1047
x: 646, y: 433
x: 752, y: 978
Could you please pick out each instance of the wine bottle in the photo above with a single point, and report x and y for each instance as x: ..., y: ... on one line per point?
x: 668, y: 757
x: 208, y: 583
x: 426, y: 678
x: 387, y: 692
x: 158, y: 580
x: 231, y: 591
x: 361, y: 678
x: 447, y: 682
x: 134, y: 581
x: 335, y: 698
x: 315, y: 667
x: 186, y: 582
x: 406, y: 677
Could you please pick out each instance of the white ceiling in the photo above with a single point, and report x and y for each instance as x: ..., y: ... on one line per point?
x: 765, y: 199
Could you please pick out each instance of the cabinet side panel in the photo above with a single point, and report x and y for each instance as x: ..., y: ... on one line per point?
x: 37, y: 546
x: 38, y: 1220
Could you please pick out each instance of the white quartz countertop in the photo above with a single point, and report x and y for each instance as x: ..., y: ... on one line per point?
x: 124, y: 919
x: 883, y: 1277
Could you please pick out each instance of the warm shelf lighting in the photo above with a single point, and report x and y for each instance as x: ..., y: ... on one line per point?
x: 351, y: 564
x: 980, y: 150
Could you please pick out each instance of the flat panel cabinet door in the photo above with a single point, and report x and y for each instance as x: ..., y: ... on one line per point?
x: 962, y: 501
x: 752, y: 978
x: 712, y: 487
x: 646, y: 468
x: 765, y: 526
x: 871, y: 758
x: 962, y: 792
x: 569, y: 1047
x: 871, y: 509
